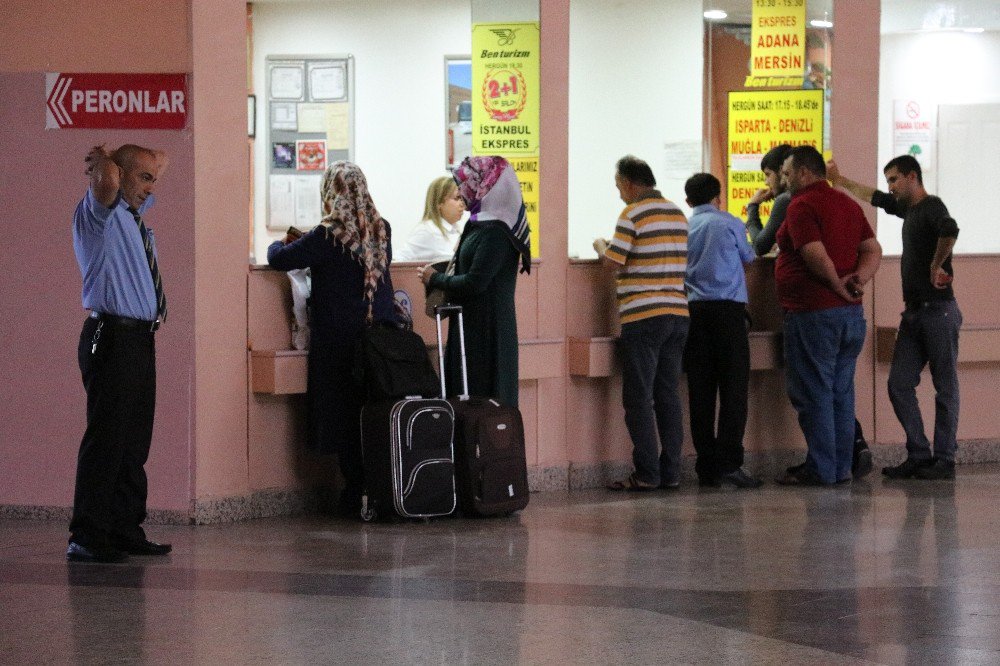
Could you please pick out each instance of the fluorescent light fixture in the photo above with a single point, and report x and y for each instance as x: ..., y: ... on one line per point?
x: 715, y: 14
x: 974, y: 30
x: 817, y: 23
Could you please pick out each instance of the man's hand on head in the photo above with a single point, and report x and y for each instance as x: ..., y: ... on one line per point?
x: 95, y: 157
x: 105, y: 175
x: 161, y: 162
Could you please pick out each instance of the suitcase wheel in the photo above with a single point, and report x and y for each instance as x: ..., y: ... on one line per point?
x: 368, y: 512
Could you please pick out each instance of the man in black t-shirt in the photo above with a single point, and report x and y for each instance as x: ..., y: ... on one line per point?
x: 928, y: 331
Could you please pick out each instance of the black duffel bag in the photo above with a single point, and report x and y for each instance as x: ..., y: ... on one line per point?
x: 392, y: 363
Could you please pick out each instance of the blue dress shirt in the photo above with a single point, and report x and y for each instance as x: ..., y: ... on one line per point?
x: 717, y: 249
x: 112, y: 259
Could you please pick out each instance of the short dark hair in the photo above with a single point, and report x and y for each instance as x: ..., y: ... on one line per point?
x: 634, y: 170
x: 774, y: 158
x: 906, y: 164
x: 810, y: 158
x: 702, y: 188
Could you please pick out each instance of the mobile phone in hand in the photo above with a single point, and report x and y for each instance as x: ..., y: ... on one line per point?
x: 294, y: 233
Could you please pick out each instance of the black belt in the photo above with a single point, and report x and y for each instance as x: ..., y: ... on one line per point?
x: 126, y: 322
x: 919, y: 305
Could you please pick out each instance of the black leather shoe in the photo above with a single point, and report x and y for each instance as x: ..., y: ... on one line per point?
x: 145, y: 547
x: 79, y: 553
x: 741, y: 479
x: 937, y: 471
x: 906, y: 469
x: 862, y: 463
x: 804, y: 476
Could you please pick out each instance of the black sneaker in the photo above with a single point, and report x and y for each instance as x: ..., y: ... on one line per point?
x: 741, y: 479
x: 907, y: 469
x: 862, y: 465
x: 940, y: 469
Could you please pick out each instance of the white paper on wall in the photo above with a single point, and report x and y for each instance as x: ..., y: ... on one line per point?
x: 914, y: 131
x: 307, y: 201
x: 327, y: 82
x: 287, y: 82
x: 283, y: 116
x: 337, y: 126
x: 281, y: 201
x: 312, y: 117
x: 681, y: 159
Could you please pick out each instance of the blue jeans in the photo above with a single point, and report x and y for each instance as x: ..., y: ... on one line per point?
x: 928, y: 335
x: 652, y: 351
x: 821, y: 351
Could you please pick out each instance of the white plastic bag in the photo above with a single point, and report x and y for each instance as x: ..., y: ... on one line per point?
x: 301, y: 288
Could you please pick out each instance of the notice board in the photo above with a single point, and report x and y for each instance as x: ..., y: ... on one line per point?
x: 309, y: 115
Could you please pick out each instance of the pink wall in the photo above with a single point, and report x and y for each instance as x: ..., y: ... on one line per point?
x: 551, y: 398
x: 41, y: 398
x: 199, y: 445
x: 221, y: 193
x: 854, y: 142
x: 94, y: 36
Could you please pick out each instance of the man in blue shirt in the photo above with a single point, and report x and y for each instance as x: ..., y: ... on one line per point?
x: 123, y: 290
x: 717, y: 354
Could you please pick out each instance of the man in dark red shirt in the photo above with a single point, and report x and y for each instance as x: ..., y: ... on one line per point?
x: 828, y: 252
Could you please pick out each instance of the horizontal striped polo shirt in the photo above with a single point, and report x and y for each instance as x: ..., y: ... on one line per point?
x: 650, y: 243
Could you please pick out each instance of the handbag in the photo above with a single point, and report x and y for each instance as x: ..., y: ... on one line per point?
x: 392, y: 363
x: 436, y: 296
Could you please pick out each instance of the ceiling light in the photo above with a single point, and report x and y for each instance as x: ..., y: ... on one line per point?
x: 817, y: 23
x: 715, y: 14
x: 974, y: 30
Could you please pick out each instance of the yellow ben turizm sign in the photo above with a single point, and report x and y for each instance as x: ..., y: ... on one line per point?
x: 505, y: 91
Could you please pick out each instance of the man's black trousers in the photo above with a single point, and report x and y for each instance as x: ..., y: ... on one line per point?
x: 109, y: 504
x: 717, y: 362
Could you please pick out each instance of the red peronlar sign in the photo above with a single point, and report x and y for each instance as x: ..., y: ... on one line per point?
x: 115, y: 101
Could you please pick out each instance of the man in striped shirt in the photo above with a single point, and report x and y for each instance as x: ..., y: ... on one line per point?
x: 649, y: 253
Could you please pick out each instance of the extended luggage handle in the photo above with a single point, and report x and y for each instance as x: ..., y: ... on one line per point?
x: 450, y: 309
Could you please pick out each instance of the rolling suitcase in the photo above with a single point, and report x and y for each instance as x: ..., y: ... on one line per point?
x: 408, y: 457
x: 491, y: 471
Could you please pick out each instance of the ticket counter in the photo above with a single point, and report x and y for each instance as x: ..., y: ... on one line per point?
x: 577, y: 371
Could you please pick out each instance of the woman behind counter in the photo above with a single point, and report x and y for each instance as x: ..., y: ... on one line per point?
x: 349, y: 254
x: 434, y: 238
x: 495, y: 237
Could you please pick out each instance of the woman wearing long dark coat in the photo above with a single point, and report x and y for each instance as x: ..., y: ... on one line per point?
x: 349, y: 255
x: 495, y: 239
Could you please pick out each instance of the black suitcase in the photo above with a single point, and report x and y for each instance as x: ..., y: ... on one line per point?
x: 408, y: 457
x: 491, y: 470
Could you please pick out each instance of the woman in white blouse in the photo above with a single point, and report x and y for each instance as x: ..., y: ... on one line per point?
x: 436, y: 236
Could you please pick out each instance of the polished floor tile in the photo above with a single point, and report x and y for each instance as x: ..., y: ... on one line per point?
x: 879, y: 572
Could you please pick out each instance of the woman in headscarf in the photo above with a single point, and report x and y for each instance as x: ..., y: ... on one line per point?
x: 349, y: 253
x: 495, y: 240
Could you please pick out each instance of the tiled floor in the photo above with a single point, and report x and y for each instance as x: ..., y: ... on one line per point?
x: 886, y: 572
